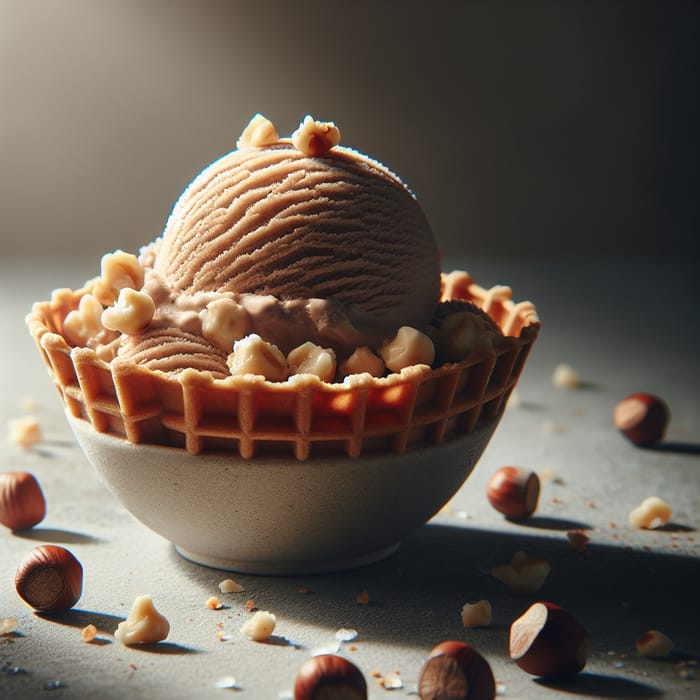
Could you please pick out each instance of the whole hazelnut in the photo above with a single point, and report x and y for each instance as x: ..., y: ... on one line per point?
x: 548, y: 641
x: 49, y: 579
x: 642, y: 418
x: 457, y: 671
x: 22, y: 502
x: 329, y: 676
x: 514, y: 491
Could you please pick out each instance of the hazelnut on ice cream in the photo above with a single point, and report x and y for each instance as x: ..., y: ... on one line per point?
x: 290, y: 267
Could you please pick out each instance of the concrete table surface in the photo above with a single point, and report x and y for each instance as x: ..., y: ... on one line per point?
x: 624, y: 327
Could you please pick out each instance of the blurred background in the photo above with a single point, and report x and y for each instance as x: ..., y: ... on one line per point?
x: 526, y: 129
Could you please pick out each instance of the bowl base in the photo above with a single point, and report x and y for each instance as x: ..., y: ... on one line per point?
x: 268, y: 568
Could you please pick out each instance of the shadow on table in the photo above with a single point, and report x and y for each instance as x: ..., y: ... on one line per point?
x: 416, y: 595
x: 600, y: 686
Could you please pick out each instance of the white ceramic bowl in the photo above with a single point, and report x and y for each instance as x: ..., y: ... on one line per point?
x: 279, y: 515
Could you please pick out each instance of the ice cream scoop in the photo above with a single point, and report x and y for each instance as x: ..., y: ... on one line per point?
x: 276, y: 221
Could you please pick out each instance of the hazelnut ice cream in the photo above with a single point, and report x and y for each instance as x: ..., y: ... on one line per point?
x: 291, y: 271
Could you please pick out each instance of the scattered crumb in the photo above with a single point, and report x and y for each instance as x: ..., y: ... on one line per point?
x: 524, y: 574
x: 228, y: 682
x: 392, y: 681
x: 250, y: 605
x: 8, y: 625
x: 260, y: 627
x: 89, y: 633
x: 213, y: 603
x: 477, y: 614
x: 25, y: 432
x: 363, y: 598
x: 565, y: 377
x: 652, y: 512
x: 230, y: 586
x: 144, y: 625
x: 28, y: 404
x: 345, y: 635
x: 578, y: 540
x: 549, y: 426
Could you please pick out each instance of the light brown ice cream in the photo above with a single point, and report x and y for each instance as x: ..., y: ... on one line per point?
x: 274, y: 221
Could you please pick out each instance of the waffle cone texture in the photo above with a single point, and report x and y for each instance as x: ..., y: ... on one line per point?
x: 249, y: 416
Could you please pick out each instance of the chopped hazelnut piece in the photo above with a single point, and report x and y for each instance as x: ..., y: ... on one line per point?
x: 565, y: 377
x: 230, y: 586
x: 259, y: 133
x: 120, y: 270
x: 363, y: 360
x: 25, y: 432
x: 578, y: 540
x: 260, y: 627
x: 85, y: 322
x: 88, y: 633
x: 310, y: 358
x: 477, y: 614
x: 408, y: 347
x: 252, y: 355
x: 523, y: 574
x: 650, y: 514
x: 144, y: 624
x: 213, y: 603
x: 8, y: 625
x: 223, y: 322
x: 363, y: 598
x: 131, y: 314
x: 314, y: 138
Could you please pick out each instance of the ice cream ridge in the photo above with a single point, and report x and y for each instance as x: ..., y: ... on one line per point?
x: 294, y: 300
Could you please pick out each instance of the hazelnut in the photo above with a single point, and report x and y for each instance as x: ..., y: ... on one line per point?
x: 548, y: 641
x: 49, y: 579
x: 457, y: 671
x: 514, y: 491
x: 22, y: 502
x: 654, y: 645
x: 642, y: 418
x: 329, y: 676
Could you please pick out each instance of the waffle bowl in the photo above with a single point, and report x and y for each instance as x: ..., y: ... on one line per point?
x: 287, y: 477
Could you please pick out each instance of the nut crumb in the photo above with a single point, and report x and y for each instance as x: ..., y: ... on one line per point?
x: 477, y: 614
x: 214, y: 603
x: 314, y: 138
x: 578, y: 540
x: 652, y: 513
x: 89, y: 633
x: 524, y: 574
x: 363, y: 598
x: 8, y: 625
x: 565, y: 377
x: 260, y: 627
x: 392, y: 681
x: 250, y: 605
x: 25, y: 432
x: 230, y: 586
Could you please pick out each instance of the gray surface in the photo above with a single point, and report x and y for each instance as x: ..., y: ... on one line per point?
x: 624, y: 328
